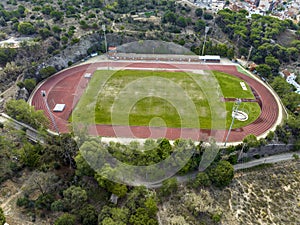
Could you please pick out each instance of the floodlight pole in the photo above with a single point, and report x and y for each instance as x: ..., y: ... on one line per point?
x: 104, y: 29
x: 43, y: 93
x: 206, y: 31
x: 234, y: 112
x: 249, y: 54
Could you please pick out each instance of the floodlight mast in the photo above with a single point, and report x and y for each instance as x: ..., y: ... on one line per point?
x: 43, y: 93
x: 234, y: 113
x: 104, y: 29
x: 206, y: 31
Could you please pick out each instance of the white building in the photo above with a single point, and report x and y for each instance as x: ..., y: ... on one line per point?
x: 291, y: 79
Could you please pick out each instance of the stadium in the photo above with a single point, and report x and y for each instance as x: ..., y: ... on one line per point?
x: 67, y: 96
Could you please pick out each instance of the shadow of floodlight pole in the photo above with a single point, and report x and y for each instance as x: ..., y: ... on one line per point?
x: 234, y: 113
x: 43, y: 93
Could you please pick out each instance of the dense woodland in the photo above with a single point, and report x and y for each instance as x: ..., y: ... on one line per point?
x: 69, y: 191
x: 67, y: 184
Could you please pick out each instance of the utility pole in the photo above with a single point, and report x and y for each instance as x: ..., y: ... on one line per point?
x: 234, y: 112
x: 206, y: 31
x: 43, y: 93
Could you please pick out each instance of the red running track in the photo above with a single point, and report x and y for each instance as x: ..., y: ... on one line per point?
x: 67, y: 87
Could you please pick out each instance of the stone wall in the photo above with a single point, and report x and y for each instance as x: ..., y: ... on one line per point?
x: 271, y: 149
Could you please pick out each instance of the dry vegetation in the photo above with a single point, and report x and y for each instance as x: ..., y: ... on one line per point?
x: 266, y: 196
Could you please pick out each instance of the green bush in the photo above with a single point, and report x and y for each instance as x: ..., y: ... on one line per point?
x: 221, y: 174
x: 24, y: 201
x: 29, y: 84
x: 26, y: 28
x: 47, y: 71
x: 65, y: 219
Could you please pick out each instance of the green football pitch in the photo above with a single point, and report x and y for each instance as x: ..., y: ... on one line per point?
x: 163, y: 99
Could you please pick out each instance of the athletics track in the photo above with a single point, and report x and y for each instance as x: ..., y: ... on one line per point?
x: 68, y: 85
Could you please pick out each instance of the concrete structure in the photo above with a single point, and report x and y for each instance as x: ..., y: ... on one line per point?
x: 59, y: 107
x: 210, y: 58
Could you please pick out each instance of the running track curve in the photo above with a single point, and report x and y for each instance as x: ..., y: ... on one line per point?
x: 68, y: 85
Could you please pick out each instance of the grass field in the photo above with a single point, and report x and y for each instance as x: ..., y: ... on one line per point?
x: 160, y: 98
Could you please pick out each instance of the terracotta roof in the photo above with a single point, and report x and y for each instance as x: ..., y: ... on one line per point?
x: 286, y: 73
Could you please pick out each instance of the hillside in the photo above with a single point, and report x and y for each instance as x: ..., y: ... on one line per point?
x: 268, y: 195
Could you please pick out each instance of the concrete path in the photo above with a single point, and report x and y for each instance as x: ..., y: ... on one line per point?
x: 270, y: 159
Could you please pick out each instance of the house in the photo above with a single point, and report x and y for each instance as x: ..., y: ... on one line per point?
x: 291, y: 79
x: 252, y: 66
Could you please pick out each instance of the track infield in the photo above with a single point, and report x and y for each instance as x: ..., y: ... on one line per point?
x: 159, y: 99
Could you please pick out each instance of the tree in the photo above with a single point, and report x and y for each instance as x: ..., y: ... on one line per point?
x: 199, y: 26
x: 281, y: 87
x: 47, y: 9
x: 29, y: 84
x: 207, y: 16
x: 2, y: 217
x: 222, y: 174
x: 21, y: 111
x: 118, y: 189
x: 82, y: 167
x: 30, y: 155
x: 141, y: 217
x: 270, y: 136
x: 74, y: 197
x: 7, y: 55
x: 251, y: 141
x: 273, y: 63
x: 43, y: 182
x: 47, y: 71
x: 26, y: 28
x: 296, y: 156
x: 21, y: 9
x: 65, y: 219
x: 165, y: 148
x: 44, y: 202
x: 181, y: 21
x: 264, y: 70
x: 293, y: 52
x: 169, y: 186
x: 110, y: 221
x: 120, y: 214
x: 291, y: 100
x: 201, y: 180
x: 88, y: 215
x: 56, y: 29
x: 222, y: 50
x: 65, y: 149
x: 169, y: 17
x: 151, y: 206
x: 56, y: 15
x: 57, y: 206
x: 45, y: 33
x: 122, y: 3
x: 199, y: 12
